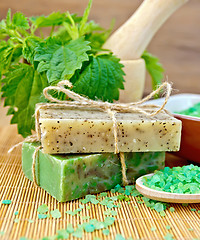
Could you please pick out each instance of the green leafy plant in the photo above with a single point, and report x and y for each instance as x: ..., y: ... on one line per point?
x: 31, y: 61
x: 155, y: 69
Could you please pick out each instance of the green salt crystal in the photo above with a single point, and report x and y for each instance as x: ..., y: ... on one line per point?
x: 119, y: 237
x: 43, y: 208
x: 62, y: 234
x: 190, y: 229
x: 103, y: 194
x: 168, y: 236
x: 162, y: 213
x: 172, y: 209
x: 106, y: 232
x: 68, y: 177
x: 120, y: 197
x: 159, y: 207
x: 70, y: 228
x: 112, y: 190
x: 42, y: 216
x: 56, y: 213
x: 7, y: 202
x: 153, y: 229
x: 193, y: 209
x: 109, y: 221
x: 184, y: 180
x: 89, y: 227
x: 78, y: 233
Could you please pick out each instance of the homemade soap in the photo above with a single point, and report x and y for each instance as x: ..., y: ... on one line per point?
x: 68, y: 177
x: 72, y: 130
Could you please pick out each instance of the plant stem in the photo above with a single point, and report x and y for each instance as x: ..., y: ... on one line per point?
x: 52, y: 30
x: 41, y: 33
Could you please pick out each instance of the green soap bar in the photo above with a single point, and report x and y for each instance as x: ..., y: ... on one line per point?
x: 68, y: 177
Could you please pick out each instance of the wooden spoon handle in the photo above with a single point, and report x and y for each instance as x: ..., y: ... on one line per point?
x: 132, y: 38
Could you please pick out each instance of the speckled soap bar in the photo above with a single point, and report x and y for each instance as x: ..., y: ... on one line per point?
x: 68, y: 130
x: 68, y: 177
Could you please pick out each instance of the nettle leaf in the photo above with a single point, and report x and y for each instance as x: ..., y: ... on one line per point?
x: 20, y: 21
x: 100, y: 79
x: 85, y: 18
x: 22, y: 89
x: 90, y: 27
x: 3, y: 32
x: 29, y: 46
x: 61, y: 34
x: 6, y: 55
x: 17, y: 54
x: 71, y: 27
x: 60, y: 60
x: 54, y: 19
x: 154, y: 68
x: 97, y: 39
x: 8, y: 18
x: 97, y: 36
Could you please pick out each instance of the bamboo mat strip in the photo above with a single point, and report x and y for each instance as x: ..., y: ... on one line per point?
x: 133, y: 220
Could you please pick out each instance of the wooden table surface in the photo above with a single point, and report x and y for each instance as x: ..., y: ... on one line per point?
x: 177, y: 44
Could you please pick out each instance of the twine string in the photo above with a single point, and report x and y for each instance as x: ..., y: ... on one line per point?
x: 111, y: 108
x: 31, y: 139
x: 123, y: 166
x: 121, y: 156
x: 118, y: 107
x: 35, y: 157
x: 114, y: 120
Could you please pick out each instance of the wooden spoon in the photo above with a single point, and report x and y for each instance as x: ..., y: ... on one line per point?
x: 165, y: 196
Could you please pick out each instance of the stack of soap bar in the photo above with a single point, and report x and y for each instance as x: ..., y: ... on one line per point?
x: 75, y: 130
x: 68, y: 177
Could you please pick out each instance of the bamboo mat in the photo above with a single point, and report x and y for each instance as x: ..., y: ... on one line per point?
x: 130, y: 221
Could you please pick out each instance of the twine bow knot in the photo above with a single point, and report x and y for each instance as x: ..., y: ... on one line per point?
x: 111, y: 108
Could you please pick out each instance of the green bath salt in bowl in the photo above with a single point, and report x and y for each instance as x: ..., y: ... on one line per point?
x: 175, y: 185
x: 183, y: 180
x: 193, y: 111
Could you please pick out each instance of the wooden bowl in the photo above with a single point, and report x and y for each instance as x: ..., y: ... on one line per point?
x: 190, y: 137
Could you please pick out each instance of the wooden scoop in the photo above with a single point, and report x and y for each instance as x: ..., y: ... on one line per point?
x: 165, y: 196
x: 132, y: 38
